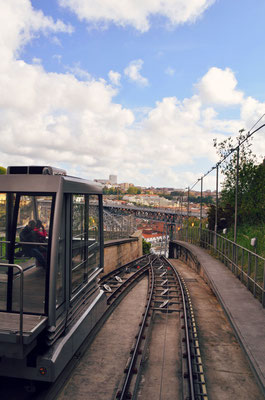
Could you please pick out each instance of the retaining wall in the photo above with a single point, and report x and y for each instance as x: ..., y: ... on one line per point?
x: 121, y: 251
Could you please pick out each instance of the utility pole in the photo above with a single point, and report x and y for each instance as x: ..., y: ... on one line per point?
x: 236, y: 193
x: 216, y: 208
x: 201, y: 203
x: 188, y: 206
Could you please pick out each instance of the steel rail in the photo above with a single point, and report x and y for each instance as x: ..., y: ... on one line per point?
x: 124, y: 391
x: 187, y: 335
x: 122, y: 268
x: 51, y: 393
x: 130, y: 280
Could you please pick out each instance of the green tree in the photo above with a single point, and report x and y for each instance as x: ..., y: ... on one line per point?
x: 225, y: 217
x: 176, y: 193
x: 146, y: 247
x: 205, y: 200
x: 2, y: 170
x: 251, y: 181
x: 133, y: 190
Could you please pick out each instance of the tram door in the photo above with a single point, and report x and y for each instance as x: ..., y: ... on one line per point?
x: 25, y: 224
x: 85, y: 241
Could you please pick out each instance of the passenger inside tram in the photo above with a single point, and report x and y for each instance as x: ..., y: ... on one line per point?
x: 32, y: 233
x: 40, y: 231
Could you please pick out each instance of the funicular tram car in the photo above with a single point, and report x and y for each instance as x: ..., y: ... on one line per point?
x: 49, y: 297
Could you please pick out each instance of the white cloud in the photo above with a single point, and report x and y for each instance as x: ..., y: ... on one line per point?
x: 19, y: 22
x: 219, y: 87
x: 133, y: 72
x: 114, y: 78
x: 252, y: 110
x: 52, y: 118
x: 79, y: 72
x: 137, y: 13
x: 36, y: 60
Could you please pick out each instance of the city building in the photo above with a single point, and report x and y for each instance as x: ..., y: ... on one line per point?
x: 113, y: 179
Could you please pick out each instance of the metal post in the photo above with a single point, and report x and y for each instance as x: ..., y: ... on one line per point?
x: 201, y: 204
x: 236, y: 193
x: 188, y: 206
x: 216, y: 208
x: 165, y: 251
x: 188, y: 213
x: 181, y: 216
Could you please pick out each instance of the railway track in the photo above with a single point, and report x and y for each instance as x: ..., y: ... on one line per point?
x: 167, y: 295
x: 167, y: 301
x: 116, y: 285
x: 118, y: 282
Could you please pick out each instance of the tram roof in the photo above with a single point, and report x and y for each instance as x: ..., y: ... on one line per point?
x: 39, y: 183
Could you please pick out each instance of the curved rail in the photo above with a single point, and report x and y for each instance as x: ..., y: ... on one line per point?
x: 194, y: 388
x: 187, y: 335
x: 123, y: 394
x: 114, y: 283
x: 123, y: 268
x: 197, y: 383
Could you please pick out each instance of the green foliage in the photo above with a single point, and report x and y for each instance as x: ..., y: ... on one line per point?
x: 225, y: 217
x: 251, y: 182
x: 244, y: 235
x: 205, y: 200
x: 194, y: 222
x: 2, y: 170
x: 167, y: 196
x: 134, y: 190
x: 176, y: 193
x: 110, y: 190
x: 146, y: 247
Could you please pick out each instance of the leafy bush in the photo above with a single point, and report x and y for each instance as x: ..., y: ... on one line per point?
x: 146, y: 247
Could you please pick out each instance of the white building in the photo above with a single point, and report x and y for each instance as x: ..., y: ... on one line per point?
x: 113, y: 179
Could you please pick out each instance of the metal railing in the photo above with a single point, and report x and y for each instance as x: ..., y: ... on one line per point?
x: 20, y: 269
x: 116, y: 235
x: 246, y: 265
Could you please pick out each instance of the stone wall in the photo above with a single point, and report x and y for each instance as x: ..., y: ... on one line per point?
x: 122, y: 251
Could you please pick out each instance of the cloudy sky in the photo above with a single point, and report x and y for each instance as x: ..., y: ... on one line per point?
x: 137, y: 88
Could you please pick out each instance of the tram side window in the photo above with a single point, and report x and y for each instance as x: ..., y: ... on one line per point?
x: 3, y: 227
x: 93, y: 218
x: 85, y: 238
x: 7, y: 202
x: 4, y: 243
x: 60, y: 280
x: 24, y: 242
x: 33, y: 227
x: 32, y: 237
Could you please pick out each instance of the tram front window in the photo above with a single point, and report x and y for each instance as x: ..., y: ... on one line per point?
x: 24, y: 233
x: 85, y: 238
x: 4, y: 244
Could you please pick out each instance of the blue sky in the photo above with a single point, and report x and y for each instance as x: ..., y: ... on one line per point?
x: 134, y: 88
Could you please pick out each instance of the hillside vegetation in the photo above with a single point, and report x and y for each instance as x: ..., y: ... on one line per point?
x: 251, y: 195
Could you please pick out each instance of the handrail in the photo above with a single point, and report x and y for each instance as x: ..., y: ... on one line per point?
x: 21, y: 295
x: 247, y: 265
x: 225, y: 239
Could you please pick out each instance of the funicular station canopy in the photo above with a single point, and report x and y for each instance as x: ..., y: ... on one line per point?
x: 51, y: 251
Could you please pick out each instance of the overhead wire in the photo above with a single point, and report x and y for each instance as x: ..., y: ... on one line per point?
x: 231, y: 151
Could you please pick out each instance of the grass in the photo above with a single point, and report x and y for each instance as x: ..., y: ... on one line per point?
x: 244, y: 235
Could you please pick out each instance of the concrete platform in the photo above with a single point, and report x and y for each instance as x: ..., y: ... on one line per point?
x: 245, y: 313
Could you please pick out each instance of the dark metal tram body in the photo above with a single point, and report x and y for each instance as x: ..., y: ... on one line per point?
x: 49, y: 297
